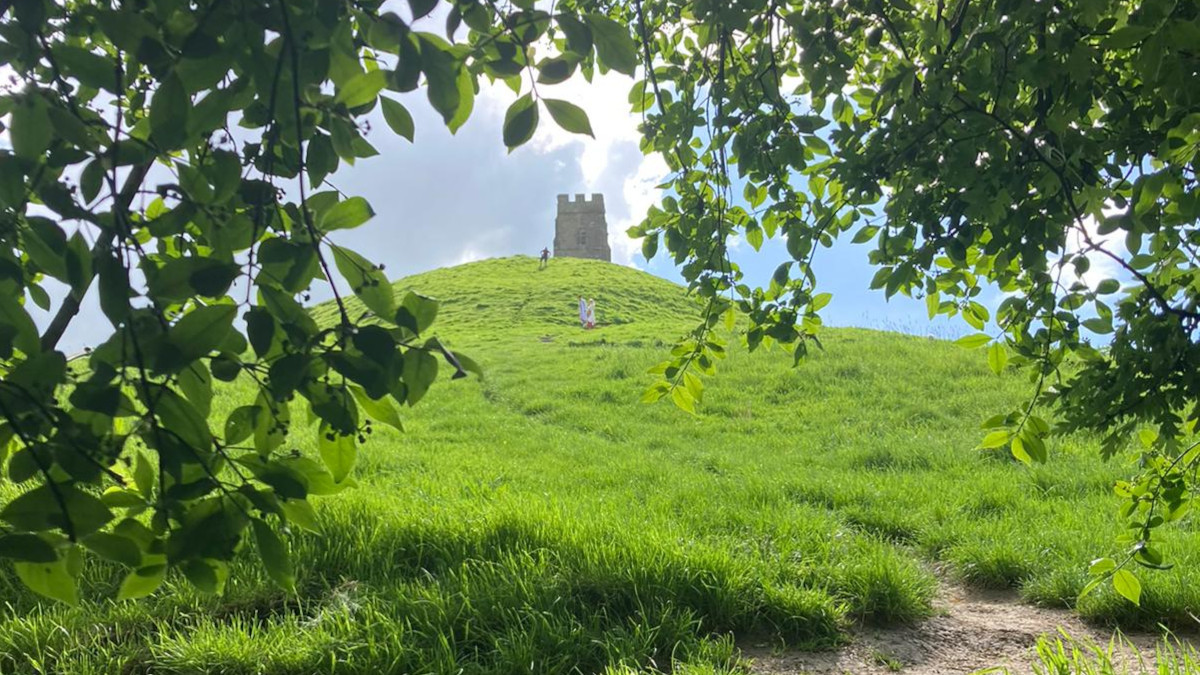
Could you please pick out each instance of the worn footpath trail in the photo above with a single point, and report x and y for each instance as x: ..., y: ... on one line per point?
x: 972, y: 630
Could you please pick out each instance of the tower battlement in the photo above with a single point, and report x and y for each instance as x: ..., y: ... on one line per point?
x: 580, y: 230
x: 581, y: 203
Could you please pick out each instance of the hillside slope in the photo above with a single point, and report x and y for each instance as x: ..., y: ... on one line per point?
x: 543, y: 519
x: 879, y: 429
x: 512, y: 296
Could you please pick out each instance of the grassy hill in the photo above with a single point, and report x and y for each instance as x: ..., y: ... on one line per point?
x: 543, y: 520
x: 511, y: 297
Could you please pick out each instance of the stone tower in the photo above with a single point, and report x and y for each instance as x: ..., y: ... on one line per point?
x: 580, y: 230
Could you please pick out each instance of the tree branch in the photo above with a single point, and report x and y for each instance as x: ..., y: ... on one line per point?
x: 1078, y: 215
x: 70, y: 307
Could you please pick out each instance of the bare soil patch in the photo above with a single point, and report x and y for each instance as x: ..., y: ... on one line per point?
x: 971, y: 630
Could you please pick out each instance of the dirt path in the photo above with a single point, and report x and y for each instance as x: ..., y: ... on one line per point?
x: 971, y: 630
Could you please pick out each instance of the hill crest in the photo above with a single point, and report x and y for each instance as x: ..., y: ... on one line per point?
x: 511, y: 295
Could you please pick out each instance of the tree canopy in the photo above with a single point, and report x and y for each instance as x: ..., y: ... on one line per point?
x: 174, y: 155
x: 976, y: 144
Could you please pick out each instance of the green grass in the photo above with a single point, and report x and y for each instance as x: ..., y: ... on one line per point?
x: 1064, y: 655
x: 543, y: 520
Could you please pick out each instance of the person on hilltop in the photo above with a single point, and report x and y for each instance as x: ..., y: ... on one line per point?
x: 591, y: 313
x: 583, y: 307
x: 545, y: 259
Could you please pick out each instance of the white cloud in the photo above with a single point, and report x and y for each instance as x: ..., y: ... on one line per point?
x: 640, y: 193
x: 468, y: 255
x: 610, y: 161
x: 1100, y: 266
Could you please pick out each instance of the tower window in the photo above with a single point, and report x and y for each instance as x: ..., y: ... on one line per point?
x: 581, y: 238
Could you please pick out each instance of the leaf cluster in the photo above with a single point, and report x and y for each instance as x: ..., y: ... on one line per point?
x: 172, y: 159
x: 1045, y: 151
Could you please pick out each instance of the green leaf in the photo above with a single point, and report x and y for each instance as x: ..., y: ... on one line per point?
x: 649, y: 246
x: 300, y: 513
x: 26, y: 547
x: 260, y: 329
x: 168, y: 113
x: 114, y: 288
x: 119, y: 498
x: 89, y: 68
x: 114, y: 547
x: 39, y: 296
x: 421, y: 8
x: 322, y: 159
x: 79, y: 263
x: 754, y: 237
x: 1019, y: 452
x: 398, y: 118
x: 656, y: 392
x: 976, y: 314
x: 202, y: 330
x: 142, y: 582
x: 346, y: 215
x: 1148, y: 437
x: 180, y: 278
x: 569, y: 116
x: 274, y: 555
x: 241, y: 423
x: 578, y: 35
x: 196, y: 384
x: 1126, y: 583
x: 807, y: 124
x: 182, y: 418
x: 338, y: 451
x: 49, y: 579
x: 520, y: 121
x: 974, y: 341
x: 1090, y: 586
x: 143, y: 476
x: 42, y: 509
x: 468, y: 364
x: 441, y: 70
x: 995, y: 439
x: 1101, y: 566
x: 997, y: 357
x: 46, y: 245
x: 933, y: 302
x: 1125, y: 37
x: 554, y: 71
x: 417, y: 312
x: 683, y: 400
x: 30, y: 131
x: 195, y: 184
x: 91, y: 180
x: 362, y: 88
x: 867, y: 233
x: 380, y: 410
x: 614, y: 46
x: 17, y: 326
x: 367, y: 281
x: 420, y: 371
x: 12, y: 181
x: 207, y: 575
x: 465, y: 86
x: 1031, y: 444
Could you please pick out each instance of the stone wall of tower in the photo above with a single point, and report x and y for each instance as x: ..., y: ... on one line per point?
x: 580, y: 230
